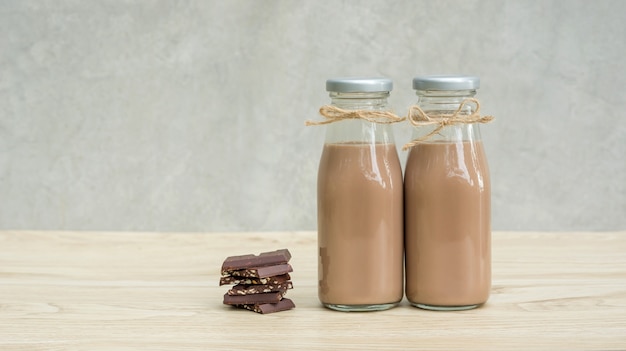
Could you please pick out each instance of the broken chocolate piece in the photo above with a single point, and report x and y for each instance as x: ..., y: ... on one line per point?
x: 282, y: 305
x: 262, y: 272
x: 248, y: 281
x: 260, y: 281
x: 263, y: 259
x: 244, y: 289
x: 272, y: 297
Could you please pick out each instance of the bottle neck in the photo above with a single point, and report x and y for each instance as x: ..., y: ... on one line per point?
x: 359, y: 130
x: 446, y: 102
x: 360, y: 101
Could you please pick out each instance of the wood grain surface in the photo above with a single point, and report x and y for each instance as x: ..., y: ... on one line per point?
x: 159, y: 291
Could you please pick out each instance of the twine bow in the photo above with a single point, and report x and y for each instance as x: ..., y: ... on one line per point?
x: 419, y: 118
x: 336, y: 114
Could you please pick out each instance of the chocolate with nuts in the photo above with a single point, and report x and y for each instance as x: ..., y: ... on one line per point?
x: 260, y: 282
x: 282, y: 305
x: 271, y: 297
x: 264, y: 259
x: 262, y: 272
x: 244, y: 289
x: 249, y: 281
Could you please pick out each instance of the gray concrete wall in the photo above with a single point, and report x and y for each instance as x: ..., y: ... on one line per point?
x: 189, y: 115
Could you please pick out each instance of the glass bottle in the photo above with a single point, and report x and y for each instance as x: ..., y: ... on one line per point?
x: 359, y: 203
x: 447, y: 201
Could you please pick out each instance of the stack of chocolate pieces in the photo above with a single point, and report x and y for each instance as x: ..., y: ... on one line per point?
x: 259, y: 282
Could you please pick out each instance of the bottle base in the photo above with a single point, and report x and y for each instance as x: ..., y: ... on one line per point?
x: 359, y: 308
x: 445, y: 308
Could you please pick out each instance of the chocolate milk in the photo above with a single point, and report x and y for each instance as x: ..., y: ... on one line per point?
x: 448, y: 224
x: 360, y: 225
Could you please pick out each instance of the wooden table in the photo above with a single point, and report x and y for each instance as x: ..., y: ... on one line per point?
x: 156, y: 291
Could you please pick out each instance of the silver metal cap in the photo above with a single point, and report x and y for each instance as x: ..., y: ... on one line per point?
x: 359, y: 85
x: 446, y: 82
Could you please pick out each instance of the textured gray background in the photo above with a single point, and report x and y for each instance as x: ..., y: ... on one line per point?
x: 189, y: 115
